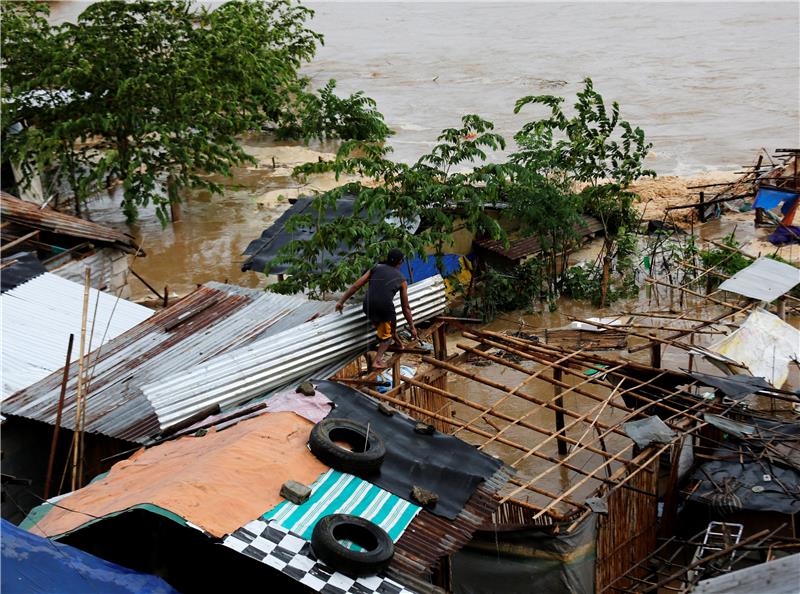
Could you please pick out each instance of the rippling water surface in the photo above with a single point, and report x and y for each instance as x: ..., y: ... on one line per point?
x: 710, y: 83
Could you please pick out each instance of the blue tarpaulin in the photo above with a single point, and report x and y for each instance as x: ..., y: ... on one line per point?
x: 769, y: 198
x: 32, y: 564
x: 426, y: 268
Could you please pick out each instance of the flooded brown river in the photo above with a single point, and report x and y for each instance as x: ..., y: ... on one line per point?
x: 704, y: 80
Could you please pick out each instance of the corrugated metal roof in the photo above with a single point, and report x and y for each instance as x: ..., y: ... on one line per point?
x: 765, y: 279
x: 206, y: 323
x: 32, y: 215
x: 429, y: 537
x: 528, y: 246
x: 269, y: 363
x: 39, y: 315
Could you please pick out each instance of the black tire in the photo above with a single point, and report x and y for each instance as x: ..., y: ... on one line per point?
x: 378, y: 545
x: 361, y: 460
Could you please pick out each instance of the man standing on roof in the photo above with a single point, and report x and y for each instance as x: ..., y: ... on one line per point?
x: 384, y: 281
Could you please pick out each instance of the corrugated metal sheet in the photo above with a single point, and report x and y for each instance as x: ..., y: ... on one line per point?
x: 266, y: 364
x: 528, y: 246
x: 430, y: 537
x: 39, y: 315
x: 209, y: 321
x: 32, y: 215
x: 765, y: 279
x: 780, y: 576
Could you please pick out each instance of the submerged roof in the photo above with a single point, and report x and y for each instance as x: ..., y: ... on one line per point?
x: 264, y: 249
x: 34, y: 216
x: 529, y: 246
x: 213, y: 319
x: 40, y: 314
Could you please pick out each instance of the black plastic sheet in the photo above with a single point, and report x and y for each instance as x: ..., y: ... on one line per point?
x: 440, y: 463
x: 525, y: 561
x: 23, y: 267
x: 733, y: 386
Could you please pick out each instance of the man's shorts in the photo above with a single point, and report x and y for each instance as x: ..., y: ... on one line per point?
x: 383, y: 330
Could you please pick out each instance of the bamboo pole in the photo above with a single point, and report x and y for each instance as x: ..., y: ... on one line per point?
x: 504, y: 388
x: 78, y: 394
x: 504, y: 417
x: 574, y: 373
x: 474, y: 430
x: 85, y: 390
x: 515, y: 390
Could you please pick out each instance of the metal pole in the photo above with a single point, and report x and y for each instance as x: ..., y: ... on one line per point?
x: 59, y: 410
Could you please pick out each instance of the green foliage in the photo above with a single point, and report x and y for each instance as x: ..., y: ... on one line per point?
x: 327, y: 116
x: 518, y: 288
x: 593, y: 147
x: 582, y: 282
x: 155, y: 93
x: 435, y: 192
x: 725, y: 261
x: 539, y: 183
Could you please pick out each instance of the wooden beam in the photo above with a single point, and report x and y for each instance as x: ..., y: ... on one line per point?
x: 19, y: 240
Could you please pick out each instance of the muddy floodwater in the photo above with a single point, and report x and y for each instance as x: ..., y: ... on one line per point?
x: 704, y: 80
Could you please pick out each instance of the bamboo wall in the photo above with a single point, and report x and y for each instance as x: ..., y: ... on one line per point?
x: 628, y: 533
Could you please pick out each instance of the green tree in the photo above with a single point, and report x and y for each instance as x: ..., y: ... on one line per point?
x: 437, y: 195
x: 155, y: 93
x: 595, y: 149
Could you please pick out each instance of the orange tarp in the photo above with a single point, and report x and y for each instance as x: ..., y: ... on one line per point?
x: 219, y: 481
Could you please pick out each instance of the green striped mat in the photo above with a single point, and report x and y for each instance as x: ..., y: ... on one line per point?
x: 335, y: 492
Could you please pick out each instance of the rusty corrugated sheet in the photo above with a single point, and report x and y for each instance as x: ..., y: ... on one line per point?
x: 429, y: 538
x: 32, y: 215
x: 528, y: 246
x: 210, y: 321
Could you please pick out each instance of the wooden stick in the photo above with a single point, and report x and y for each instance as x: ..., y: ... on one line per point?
x: 476, y: 431
x: 499, y: 415
x: 78, y: 393
x: 513, y: 391
x: 59, y: 410
x: 504, y: 388
x: 19, y: 240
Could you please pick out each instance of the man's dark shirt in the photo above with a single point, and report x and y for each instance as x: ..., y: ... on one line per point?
x: 384, y: 282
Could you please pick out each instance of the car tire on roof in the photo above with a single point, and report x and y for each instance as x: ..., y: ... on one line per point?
x: 377, y: 545
x: 366, y: 451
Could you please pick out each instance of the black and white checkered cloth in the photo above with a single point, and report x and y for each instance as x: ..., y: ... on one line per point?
x: 274, y: 545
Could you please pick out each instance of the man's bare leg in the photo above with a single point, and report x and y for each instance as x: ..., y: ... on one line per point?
x: 378, y: 361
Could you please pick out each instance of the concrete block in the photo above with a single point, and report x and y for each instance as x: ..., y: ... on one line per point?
x: 295, y: 492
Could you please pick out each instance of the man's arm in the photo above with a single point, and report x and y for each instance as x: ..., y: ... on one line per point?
x: 349, y: 293
x: 407, y: 309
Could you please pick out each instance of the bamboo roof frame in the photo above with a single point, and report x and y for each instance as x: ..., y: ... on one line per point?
x: 613, y: 469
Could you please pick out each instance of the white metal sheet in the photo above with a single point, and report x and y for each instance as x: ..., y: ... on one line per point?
x: 265, y: 364
x: 37, y: 318
x: 765, y: 279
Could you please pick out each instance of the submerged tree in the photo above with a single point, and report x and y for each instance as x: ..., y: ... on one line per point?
x: 594, y: 149
x: 155, y: 93
x: 416, y: 208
